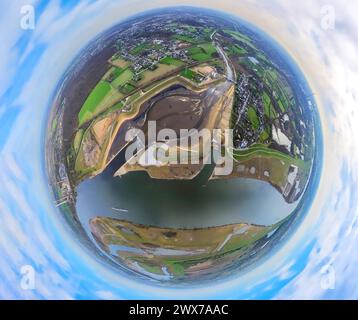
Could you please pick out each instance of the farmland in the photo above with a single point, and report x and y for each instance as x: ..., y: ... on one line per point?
x: 178, y: 251
x: 96, y: 97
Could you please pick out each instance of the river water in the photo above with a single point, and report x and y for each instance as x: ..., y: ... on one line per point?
x: 180, y: 204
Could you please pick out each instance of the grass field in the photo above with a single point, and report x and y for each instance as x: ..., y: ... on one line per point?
x: 208, y: 48
x: 190, y: 28
x: 117, y: 72
x: 270, y: 112
x: 265, y: 151
x: 77, y: 141
x: 179, y: 249
x: 236, y: 50
x: 127, y: 88
x: 262, y: 57
x: 241, y: 38
x: 202, y: 52
x: 116, y: 107
x: 189, y: 74
x: 172, y: 61
x: 282, y: 89
x: 251, y: 113
x: 200, y: 57
x: 54, y: 124
x: 122, y: 78
x: 140, y: 48
x: 93, y: 100
x: 264, y: 136
x: 282, y: 106
x: 195, y: 50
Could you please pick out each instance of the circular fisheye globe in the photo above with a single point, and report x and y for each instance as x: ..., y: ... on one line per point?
x: 181, y: 146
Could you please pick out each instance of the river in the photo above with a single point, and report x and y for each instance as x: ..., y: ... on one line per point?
x: 180, y: 204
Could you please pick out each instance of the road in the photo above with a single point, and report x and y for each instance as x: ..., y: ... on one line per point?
x: 230, y: 71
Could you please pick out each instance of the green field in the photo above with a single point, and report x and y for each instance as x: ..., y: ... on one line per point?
x: 194, y: 50
x: 208, y: 30
x: 241, y: 38
x: 189, y: 74
x: 151, y: 268
x: 123, y: 77
x: 195, y: 245
x: 281, y: 87
x: 95, y: 98
x: 190, y: 28
x: 185, y: 38
x: 117, y: 72
x: 54, y: 124
x: 266, y: 151
x: 172, y: 61
x: 270, y: 112
x: 263, y: 58
x: 116, y: 107
x: 202, y: 52
x: 236, y: 50
x: 78, y: 139
x: 140, y: 48
x: 174, y: 267
x: 281, y: 105
x: 104, y: 93
x: 264, y: 136
x: 201, y: 57
x: 208, y: 48
x: 251, y: 113
x: 127, y: 88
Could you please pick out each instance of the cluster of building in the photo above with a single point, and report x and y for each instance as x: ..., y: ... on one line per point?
x: 59, y: 178
x: 154, y: 51
x: 244, y: 133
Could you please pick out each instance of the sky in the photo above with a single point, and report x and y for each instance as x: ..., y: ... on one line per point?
x: 317, y: 262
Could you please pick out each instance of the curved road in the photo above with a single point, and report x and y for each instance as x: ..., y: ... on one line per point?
x: 230, y: 71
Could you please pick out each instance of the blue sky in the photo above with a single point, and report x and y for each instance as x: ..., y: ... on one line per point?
x: 31, y: 233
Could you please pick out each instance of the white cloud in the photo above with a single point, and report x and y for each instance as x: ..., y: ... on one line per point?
x: 328, y: 59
